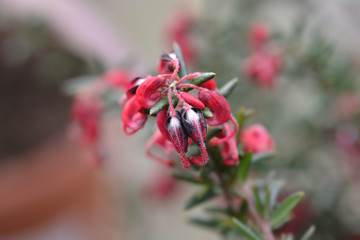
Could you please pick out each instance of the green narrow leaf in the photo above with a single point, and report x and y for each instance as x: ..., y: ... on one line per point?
x: 207, y: 113
x: 202, y: 78
x: 267, y: 202
x: 245, y: 230
x: 308, y: 234
x: 202, y: 197
x: 178, y: 53
x: 229, y: 87
x: 282, y: 223
x: 217, y: 210
x: 275, y: 187
x: 244, y: 166
x: 258, y: 202
x: 204, y: 222
x: 285, y: 208
x: 162, y: 104
x: 241, y: 215
x: 187, y: 177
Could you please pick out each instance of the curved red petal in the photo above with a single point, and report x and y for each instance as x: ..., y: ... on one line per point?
x: 218, y: 106
x: 133, y: 86
x: 160, y: 120
x: 133, y: 117
x: 147, y: 93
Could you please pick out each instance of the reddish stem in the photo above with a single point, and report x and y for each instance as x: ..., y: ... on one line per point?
x: 216, y: 141
x: 189, y: 76
x: 172, y: 109
x: 253, y: 210
x: 193, y: 86
x: 186, y: 105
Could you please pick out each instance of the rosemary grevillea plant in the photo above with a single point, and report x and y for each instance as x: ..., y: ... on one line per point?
x: 194, y: 119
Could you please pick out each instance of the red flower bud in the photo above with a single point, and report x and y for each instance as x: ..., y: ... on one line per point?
x: 259, y: 35
x: 195, y: 126
x: 178, y: 137
x: 218, y: 106
x: 194, y: 123
x: 148, y: 93
x: 211, y: 85
x: 166, y: 64
x: 192, y: 100
x: 257, y: 140
x: 133, y: 116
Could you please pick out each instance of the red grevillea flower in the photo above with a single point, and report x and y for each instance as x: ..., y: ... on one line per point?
x: 175, y: 128
x: 133, y: 116
x: 256, y: 139
x: 178, y: 137
x: 85, y: 114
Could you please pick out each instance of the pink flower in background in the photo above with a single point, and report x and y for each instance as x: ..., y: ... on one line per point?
x: 86, y: 113
x: 161, y: 187
x: 118, y: 78
x: 347, y: 140
x: 259, y: 35
x: 256, y: 139
x: 262, y: 68
x: 348, y: 105
x: 263, y: 65
x: 178, y: 30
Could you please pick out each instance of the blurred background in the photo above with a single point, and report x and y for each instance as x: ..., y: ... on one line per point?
x: 53, y: 188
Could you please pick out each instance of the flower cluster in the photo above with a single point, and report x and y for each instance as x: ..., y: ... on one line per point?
x: 180, y: 115
x: 262, y: 65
